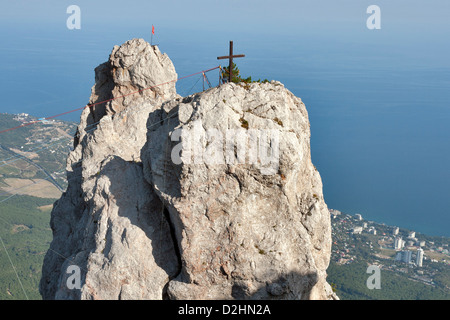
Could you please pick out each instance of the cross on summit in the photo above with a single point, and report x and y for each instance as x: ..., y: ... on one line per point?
x: 230, y: 59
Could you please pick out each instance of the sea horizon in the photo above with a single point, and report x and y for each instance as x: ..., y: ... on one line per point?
x: 377, y: 103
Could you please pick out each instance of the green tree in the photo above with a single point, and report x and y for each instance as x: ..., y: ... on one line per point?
x: 237, y: 75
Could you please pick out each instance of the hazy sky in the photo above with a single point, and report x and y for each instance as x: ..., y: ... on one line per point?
x: 263, y: 15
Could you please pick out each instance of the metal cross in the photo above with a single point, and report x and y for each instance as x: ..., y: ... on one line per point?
x: 230, y: 57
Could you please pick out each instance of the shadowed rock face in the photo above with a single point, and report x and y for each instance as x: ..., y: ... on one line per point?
x: 142, y: 225
x: 109, y: 222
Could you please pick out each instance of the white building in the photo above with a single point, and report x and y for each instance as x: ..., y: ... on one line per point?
x: 419, y: 257
x: 395, y: 231
x: 404, y: 255
x: 357, y: 230
x: 399, y: 243
x: 407, y: 256
x: 411, y: 234
x: 358, y: 217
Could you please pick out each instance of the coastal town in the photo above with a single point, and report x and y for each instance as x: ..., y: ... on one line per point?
x: 37, y: 151
x: 416, y: 256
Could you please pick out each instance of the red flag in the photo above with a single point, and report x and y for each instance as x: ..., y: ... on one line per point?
x: 153, y: 29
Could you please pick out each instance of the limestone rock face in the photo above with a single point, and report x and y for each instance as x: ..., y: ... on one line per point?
x: 135, y: 73
x: 109, y: 223
x: 246, y: 228
x: 211, y: 196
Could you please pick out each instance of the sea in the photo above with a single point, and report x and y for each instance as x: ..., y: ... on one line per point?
x: 378, y: 100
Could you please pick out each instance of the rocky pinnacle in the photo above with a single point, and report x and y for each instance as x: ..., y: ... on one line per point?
x: 210, y: 196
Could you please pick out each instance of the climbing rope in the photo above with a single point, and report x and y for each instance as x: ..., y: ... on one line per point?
x: 77, y: 135
x: 108, y: 100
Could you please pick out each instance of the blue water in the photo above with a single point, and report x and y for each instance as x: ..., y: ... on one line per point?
x: 378, y: 101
